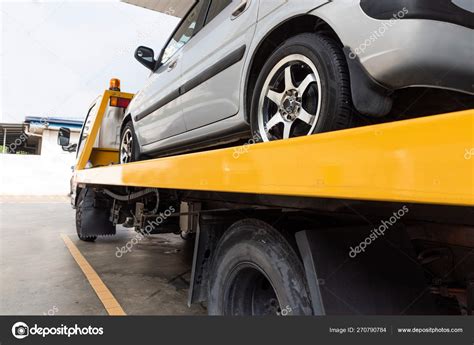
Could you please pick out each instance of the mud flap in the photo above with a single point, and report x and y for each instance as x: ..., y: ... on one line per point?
x: 383, y: 279
x: 368, y: 96
x: 93, y: 215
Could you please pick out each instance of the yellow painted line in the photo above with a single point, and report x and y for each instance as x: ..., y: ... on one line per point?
x: 108, y: 300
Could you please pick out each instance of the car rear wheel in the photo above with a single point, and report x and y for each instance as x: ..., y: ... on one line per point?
x: 304, y: 88
x: 128, y: 144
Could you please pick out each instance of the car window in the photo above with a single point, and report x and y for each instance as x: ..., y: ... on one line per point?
x: 185, y: 32
x: 217, y: 6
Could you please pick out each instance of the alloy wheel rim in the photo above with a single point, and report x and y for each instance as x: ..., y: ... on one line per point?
x: 126, y: 147
x: 290, y: 101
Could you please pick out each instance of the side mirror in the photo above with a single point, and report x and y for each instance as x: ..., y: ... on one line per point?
x: 64, y: 136
x: 146, y: 56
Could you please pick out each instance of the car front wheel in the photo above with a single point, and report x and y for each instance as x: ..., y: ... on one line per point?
x: 128, y: 144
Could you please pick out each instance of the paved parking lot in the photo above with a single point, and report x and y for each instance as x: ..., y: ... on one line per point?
x: 39, y: 275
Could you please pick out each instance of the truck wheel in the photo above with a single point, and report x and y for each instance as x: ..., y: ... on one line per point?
x: 303, y: 89
x: 129, y: 151
x: 91, y: 219
x: 255, y: 271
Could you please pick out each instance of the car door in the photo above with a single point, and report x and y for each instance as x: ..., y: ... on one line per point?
x: 212, y: 63
x: 159, y: 115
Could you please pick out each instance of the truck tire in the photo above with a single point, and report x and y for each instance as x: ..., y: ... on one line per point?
x: 304, y: 88
x: 255, y: 271
x: 91, y: 219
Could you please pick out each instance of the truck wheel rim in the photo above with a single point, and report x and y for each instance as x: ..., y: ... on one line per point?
x: 126, y: 147
x: 290, y: 100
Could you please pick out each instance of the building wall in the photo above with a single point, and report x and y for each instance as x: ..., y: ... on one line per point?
x: 49, y: 143
x: 46, y: 174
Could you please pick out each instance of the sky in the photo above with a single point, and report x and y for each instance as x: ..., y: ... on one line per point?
x: 58, y: 56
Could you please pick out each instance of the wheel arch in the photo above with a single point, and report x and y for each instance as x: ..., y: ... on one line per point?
x: 369, y: 97
x: 299, y: 24
x: 127, y: 118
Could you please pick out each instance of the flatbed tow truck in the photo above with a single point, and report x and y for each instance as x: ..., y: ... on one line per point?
x: 379, y: 220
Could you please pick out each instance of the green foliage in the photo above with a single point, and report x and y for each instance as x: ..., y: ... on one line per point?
x: 7, y: 151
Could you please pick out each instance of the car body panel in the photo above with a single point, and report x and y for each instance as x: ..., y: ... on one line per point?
x: 214, y: 44
x: 211, y: 123
x: 268, y: 7
x: 405, y: 52
x: 167, y: 120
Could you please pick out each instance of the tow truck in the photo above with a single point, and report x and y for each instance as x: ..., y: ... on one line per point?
x: 378, y: 221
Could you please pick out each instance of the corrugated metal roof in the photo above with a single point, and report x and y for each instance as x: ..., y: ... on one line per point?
x: 55, y: 121
x: 12, y: 129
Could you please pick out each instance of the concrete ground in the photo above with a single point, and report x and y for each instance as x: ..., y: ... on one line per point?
x: 38, y: 274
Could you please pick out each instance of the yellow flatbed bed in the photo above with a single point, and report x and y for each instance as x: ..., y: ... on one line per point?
x: 427, y: 160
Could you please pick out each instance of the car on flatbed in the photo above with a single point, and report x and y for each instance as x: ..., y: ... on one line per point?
x: 234, y: 70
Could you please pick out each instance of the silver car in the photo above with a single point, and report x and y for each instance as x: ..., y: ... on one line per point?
x: 278, y: 69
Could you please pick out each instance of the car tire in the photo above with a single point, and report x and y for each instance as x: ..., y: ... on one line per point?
x: 252, y: 265
x: 315, y: 98
x: 129, y: 149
